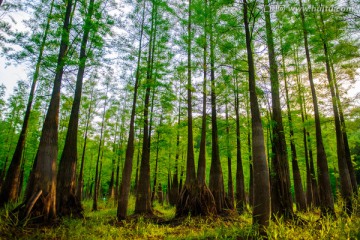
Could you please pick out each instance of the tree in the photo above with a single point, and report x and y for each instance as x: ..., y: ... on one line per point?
x: 126, y: 174
x: 12, y: 181
x: 326, y: 198
x: 261, y: 181
x: 67, y: 202
x: 41, y: 190
x: 195, y: 197
x: 216, y: 176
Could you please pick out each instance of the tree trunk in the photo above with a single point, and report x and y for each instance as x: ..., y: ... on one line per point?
x: 240, y: 182
x: 80, y: 183
x: 216, y: 176
x: 99, y: 157
x: 9, y: 190
x: 155, y: 183
x: 126, y: 173
x: 195, y: 199
x: 346, y: 142
x: 326, y: 198
x: 67, y: 202
x: 230, y: 195
x: 299, y: 192
x: 345, y: 181
x: 44, y: 169
x: 202, y: 153
x: 280, y: 177
x: 143, y: 194
x: 261, y: 203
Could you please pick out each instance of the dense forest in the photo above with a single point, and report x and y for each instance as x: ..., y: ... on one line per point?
x: 164, y: 112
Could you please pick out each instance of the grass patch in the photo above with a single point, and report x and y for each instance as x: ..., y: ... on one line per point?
x: 102, y: 224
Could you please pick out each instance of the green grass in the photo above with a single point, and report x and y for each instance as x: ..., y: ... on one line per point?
x: 102, y: 224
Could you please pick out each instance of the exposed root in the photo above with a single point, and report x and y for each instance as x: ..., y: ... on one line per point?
x: 195, y: 200
x: 71, y: 206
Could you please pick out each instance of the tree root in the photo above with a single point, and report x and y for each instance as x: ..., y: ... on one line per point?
x: 196, y: 200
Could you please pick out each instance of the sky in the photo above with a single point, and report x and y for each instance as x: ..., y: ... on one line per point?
x: 9, y: 75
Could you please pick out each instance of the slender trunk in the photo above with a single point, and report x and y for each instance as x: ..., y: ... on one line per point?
x: 80, y: 184
x: 280, y: 177
x: 67, y: 202
x: 190, y: 161
x: 155, y: 183
x: 9, y: 190
x: 230, y: 194
x: 202, y: 153
x: 99, y: 157
x: 345, y: 137
x: 44, y: 170
x: 299, y: 192
x: 326, y: 198
x: 249, y: 149
x: 174, y: 190
x: 126, y: 173
x: 143, y: 194
x: 216, y: 176
x: 240, y: 182
x: 345, y: 181
x: 261, y: 181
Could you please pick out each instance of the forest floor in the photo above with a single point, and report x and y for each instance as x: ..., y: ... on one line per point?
x: 102, y: 224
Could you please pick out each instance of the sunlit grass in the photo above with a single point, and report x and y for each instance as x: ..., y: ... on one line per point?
x: 102, y: 224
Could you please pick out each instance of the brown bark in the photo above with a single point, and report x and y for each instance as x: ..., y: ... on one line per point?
x: 299, y: 192
x: 230, y: 195
x: 44, y: 170
x: 125, y: 184
x: 345, y: 137
x: 240, y: 182
x: 67, y: 202
x: 326, y: 198
x: 99, y: 156
x: 202, y: 153
x: 261, y: 181
x: 10, y: 186
x: 345, y: 181
x: 80, y: 183
x: 281, y: 204
x: 143, y: 193
x: 216, y: 182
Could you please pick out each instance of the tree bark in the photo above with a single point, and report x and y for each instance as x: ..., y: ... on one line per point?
x: 216, y: 176
x: 281, y: 204
x: 129, y: 155
x: 326, y: 198
x: 9, y: 190
x: 44, y: 169
x: 261, y: 181
x: 299, y: 192
x: 67, y: 202
x: 240, y: 182
x: 143, y: 193
x: 99, y: 156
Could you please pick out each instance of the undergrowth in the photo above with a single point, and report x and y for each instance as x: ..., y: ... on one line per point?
x: 102, y: 224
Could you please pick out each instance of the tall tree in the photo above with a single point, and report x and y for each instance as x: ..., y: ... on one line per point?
x: 326, y: 198
x: 345, y: 181
x: 67, y: 202
x: 216, y: 182
x: 261, y: 181
x: 299, y: 192
x: 11, y: 184
x: 281, y: 200
x: 41, y: 198
x: 143, y: 194
x: 195, y: 198
x: 125, y: 184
